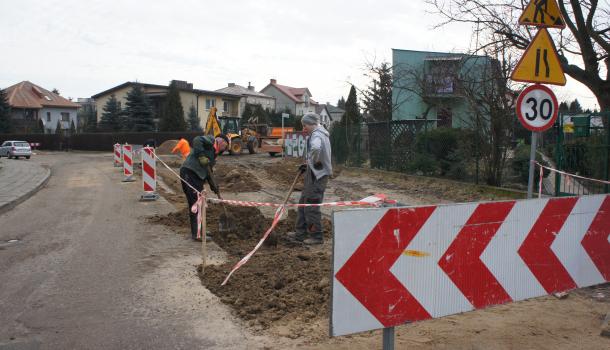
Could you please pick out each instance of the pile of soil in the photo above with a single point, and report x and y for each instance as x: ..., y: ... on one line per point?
x: 235, y: 179
x: 283, y: 172
x: 276, y: 285
x: 280, y: 283
x: 178, y: 219
x: 166, y: 147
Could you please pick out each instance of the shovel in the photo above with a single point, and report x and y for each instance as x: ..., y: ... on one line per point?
x: 273, y: 237
x: 225, y: 222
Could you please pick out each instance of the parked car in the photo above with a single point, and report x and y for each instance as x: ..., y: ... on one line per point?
x: 15, y: 149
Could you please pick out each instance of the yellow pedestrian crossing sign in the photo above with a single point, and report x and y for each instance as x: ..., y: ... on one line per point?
x: 540, y: 63
x: 542, y: 13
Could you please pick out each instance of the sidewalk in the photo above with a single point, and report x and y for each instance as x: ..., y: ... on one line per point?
x: 19, y: 180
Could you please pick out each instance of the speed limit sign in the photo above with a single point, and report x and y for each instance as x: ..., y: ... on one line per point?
x: 537, y: 108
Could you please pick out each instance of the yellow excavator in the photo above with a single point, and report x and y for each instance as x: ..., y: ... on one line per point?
x: 229, y: 127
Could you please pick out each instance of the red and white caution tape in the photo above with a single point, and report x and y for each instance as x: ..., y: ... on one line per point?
x: 563, y: 173
x: 197, y: 208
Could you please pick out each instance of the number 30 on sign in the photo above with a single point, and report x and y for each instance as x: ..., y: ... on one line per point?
x: 537, y: 108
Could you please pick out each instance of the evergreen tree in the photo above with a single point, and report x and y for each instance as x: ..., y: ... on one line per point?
x: 138, y: 114
x: 194, y: 121
x: 377, y: 99
x: 40, y: 129
x: 72, y: 128
x: 247, y: 113
x: 58, y: 127
x: 6, y: 126
x: 172, y: 118
x: 575, y: 107
x: 564, y: 107
x: 88, y: 116
x: 341, y: 103
x: 110, y: 116
x: 345, y: 138
x: 352, y: 114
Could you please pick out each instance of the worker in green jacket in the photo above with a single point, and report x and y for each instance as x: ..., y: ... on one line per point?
x: 197, y: 169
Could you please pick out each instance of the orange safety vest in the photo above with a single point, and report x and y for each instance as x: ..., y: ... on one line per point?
x: 183, y: 147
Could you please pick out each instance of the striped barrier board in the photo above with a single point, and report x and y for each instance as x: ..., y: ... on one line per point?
x: 149, y: 174
x: 117, y: 155
x: 398, y: 265
x: 127, y: 163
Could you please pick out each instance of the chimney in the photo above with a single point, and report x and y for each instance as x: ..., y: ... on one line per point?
x: 231, y: 84
x: 250, y: 87
x: 182, y: 84
x: 273, y: 81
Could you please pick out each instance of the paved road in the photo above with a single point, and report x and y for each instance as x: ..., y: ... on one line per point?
x: 88, y: 273
x: 19, y: 178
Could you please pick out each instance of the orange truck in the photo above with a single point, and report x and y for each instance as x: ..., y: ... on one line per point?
x: 269, y: 138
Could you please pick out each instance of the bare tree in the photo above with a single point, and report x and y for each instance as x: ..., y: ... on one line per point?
x: 587, y: 38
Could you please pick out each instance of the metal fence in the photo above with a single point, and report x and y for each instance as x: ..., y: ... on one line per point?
x: 582, y: 148
x: 408, y: 146
x: 96, y: 141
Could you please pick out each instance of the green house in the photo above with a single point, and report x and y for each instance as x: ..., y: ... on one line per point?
x: 438, y: 87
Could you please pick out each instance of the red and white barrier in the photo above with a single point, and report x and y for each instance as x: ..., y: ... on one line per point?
x: 394, y: 265
x: 128, y: 163
x: 117, y: 155
x: 149, y: 174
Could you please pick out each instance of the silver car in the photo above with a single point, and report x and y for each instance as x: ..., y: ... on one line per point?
x: 15, y: 149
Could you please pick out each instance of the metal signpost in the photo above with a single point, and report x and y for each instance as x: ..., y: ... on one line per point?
x: 537, y: 105
x: 537, y: 109
x: 284, y: 116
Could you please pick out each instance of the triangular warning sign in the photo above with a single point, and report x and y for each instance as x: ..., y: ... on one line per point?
x: 540, y: 63
x: 542, y: 13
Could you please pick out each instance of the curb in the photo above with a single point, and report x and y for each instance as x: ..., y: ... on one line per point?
x: 10, y: 205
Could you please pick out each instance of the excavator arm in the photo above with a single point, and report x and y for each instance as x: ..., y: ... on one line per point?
x: 212, y: 127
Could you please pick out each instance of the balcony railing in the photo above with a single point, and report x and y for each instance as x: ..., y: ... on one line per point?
x: 442, y: 86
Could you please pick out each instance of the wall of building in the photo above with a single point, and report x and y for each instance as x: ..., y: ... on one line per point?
x: 410, y: 105
x: 282, y: 102
x: 50, y: 116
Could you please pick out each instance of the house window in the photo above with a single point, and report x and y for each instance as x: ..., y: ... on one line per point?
x: 225, y: 106
x: 65, y: 116
x: 48, y: 116
x: 209, y: 103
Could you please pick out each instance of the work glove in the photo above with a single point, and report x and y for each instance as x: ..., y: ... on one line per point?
x: 302, y: 168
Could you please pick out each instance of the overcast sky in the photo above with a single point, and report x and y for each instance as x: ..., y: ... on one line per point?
x: 84, y: 47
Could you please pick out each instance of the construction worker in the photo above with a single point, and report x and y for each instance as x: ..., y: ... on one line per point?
x: 197, y: 169
x: 316, y: 169
x: 183, y: 147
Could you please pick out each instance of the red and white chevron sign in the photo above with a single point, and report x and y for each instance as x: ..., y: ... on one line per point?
x: 395, y: 265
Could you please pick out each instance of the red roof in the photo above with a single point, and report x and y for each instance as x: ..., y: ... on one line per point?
x: 294, y: 94
x: 29, y: 95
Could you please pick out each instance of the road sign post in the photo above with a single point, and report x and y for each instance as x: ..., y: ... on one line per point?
x: 537, y: 109
x: 532, y: 164
x: 284, y: 116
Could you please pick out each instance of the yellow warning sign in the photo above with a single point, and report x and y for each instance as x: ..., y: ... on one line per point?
x: 540, y: 63
x: 542, y: 13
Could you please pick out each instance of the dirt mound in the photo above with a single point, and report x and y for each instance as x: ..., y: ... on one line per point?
x: 284, y: 171
x: 276, y: 285
x: 235, y: 179
x: 177, y: 219
x: 166, y: 147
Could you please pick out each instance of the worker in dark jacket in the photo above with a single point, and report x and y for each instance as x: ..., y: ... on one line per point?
x: 197, y: 169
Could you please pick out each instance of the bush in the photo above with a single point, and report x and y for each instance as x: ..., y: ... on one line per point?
x: 448, y: 151
x: 520, y: 164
